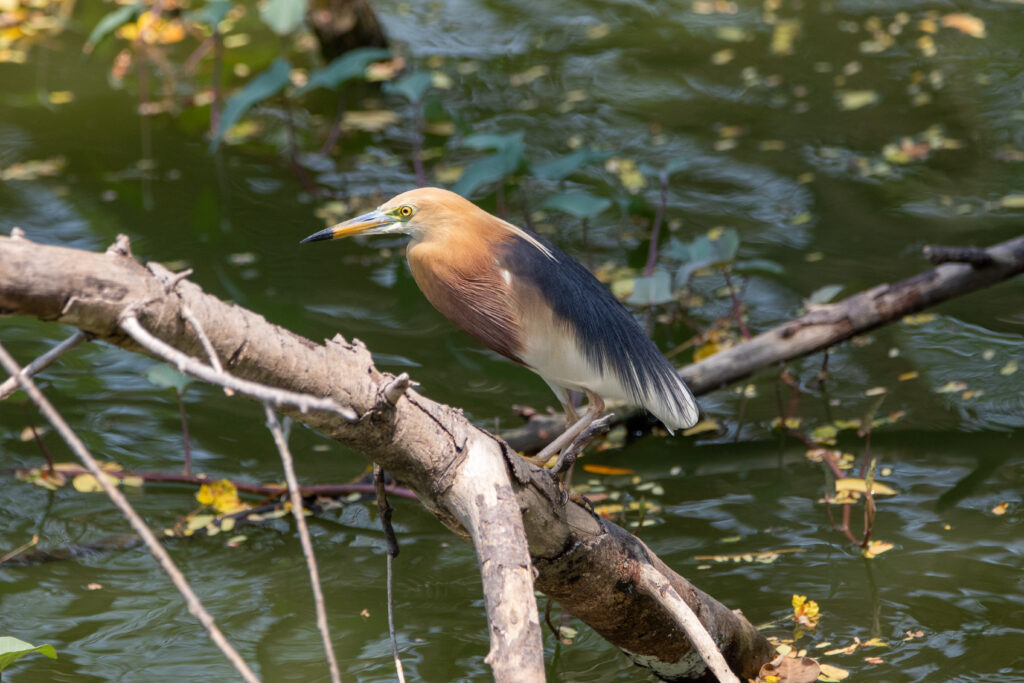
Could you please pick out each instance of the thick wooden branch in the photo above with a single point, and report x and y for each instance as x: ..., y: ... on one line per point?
x: 466, y: 477
x: 828, y: 325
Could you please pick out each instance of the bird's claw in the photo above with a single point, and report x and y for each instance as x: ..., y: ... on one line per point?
x: 569, y: 454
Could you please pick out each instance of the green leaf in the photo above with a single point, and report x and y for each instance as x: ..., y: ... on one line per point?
x: 13, y: 649
x: 481, y: 172
x: 495, y: 141
x: 166, y: 377
x: 560, y: 167
x: 348, y: 66
x: 823, y: 295
x: 411, y: 86
x: 283, y: 16
x: 653, y: 290
x: 265, y: 85
x: 577, y: 203
x: 726, y: 246
x: 109, y: 23
x: 758, y: 265
x: 210, y: 14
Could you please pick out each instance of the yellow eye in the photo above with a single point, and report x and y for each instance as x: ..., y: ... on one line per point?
x: 406, y: 211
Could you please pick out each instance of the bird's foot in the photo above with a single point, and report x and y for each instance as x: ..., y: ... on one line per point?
x: 573, y: 450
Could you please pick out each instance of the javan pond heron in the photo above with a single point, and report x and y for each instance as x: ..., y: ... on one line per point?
x: 523, y: 297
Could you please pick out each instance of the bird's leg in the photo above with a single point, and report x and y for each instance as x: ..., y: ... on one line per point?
x: 595, y: 406
x: 572, y: 451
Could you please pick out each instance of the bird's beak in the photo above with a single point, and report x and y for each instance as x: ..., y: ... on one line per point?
x: 368, y: 223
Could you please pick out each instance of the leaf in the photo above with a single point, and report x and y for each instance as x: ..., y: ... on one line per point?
x: 759, y: 266
x: 653, y: 290
x: 265, y: 85
x: 857, y: 99
x: 965, y: 23
x: 13, y: 649
x: 860, y: 486
x: 707, y: 425
x: 833, y: 674
x: 874, y: 549
x: 560, y: 167
x: 581, y: 205
x: 166, y: 377
x: 411, y: 86
x: 606, y: 469
x: 347, y: 67
x: 822, y: 295
x: 283, y: 16
x: 791, y: 670
x: 110, y: 22
x: 726, y: 243
x: 481, y: 172
x: 211, y: 14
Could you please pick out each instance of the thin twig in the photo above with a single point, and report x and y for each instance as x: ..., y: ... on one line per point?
x: 658, y: 587
x: 189, y: 365
x: 659, y: 216
x: 186, y: 440
x: 158, y: 551
x: 211, y: 352
x: 391, y: 541
x: 10, y: 385
x: 737, y: 308
x: 307, y: 545
x: 20, y: 549
x: 46, y: 451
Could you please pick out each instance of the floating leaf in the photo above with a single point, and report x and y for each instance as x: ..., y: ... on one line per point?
x: 823, y: 295
x: 13, y: 649
x: 707, y: 425
x: 1008, y: 369
x: 283, y: 16
x: 832, y: 674
x: 907, y: 376
x: 965, y: 23
x: 860, y: 486
x: 86, y: 483
x: 953, y: 387
x: 110, y: 22
x: 918, y: 318
x: 263, y: 86
x: 857, y: 99
x: 874, y: 549
x: 1001, y: 508
x: 790, y: 670
x: 166, y: 377
x: 347, y: 67
x: 606, y: 469
x: 581, y: 205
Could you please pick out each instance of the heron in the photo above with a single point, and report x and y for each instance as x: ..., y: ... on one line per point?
x: 523, y: 297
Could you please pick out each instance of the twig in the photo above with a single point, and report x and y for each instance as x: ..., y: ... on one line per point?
x: 20, y: 549
x: 10, y: 385
x: 46, y: 451
x: 187, y: 364
x: 652, y: 248
x: 211, y: 352
x: 385, y: 509
x: 658, y: 587
x: 186, y: 440
x: 737, y: 308
x: 307, y: 545
x: 158, y: 551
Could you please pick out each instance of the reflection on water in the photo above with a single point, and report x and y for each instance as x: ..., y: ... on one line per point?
x: 769, y: 149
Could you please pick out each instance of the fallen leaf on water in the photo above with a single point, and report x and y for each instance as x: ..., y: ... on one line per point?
x: 876, y: 548
x: 606, y: 469
x: 965, y: 23
x: 861, y: 486
x: 1008, y: 369
x: 876, y: 391
x: 31, y: 170
x: 850, y: 100
x: 364, y: 613
x: 805, y: 612
x: 919, y: 318
x: 1001, y: 508
x: 784, y: 669
x: 1012, y: 201
x: 93, y: 586
x: 708, y: 425
x: 874, y: 660
x: 907, y: 376
x: 832, y: 674
x: 951, y: 388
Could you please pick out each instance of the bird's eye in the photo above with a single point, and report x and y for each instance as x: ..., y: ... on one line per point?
x: 406, y: 211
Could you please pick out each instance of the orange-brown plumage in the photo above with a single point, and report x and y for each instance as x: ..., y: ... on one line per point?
x: 522, y: 297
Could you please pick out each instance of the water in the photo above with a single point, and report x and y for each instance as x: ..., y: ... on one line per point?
x: 768, y: 151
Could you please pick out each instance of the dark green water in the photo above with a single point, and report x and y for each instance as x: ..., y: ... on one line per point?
x: 653, y: 95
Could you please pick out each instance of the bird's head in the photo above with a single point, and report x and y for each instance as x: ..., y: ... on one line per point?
x: 411, y: 213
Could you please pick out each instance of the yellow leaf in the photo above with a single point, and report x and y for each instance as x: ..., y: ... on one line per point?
x: 876, y: 391
x: 951, y: 388
x: 703, y: 426
x: 1009, y: 368
x: 832, y: 674
x: 850, y: 100
x: 133, y: 481
x: 824, y: 434
x: 919, y: 318
x: 86, y: 483
x: 907, y: 376
x: 709, y: 349
x: 965, y: 23
x: 1001, y: 508
x: 860, y: 486
x: 876, y: 548
x: 606, y: 469
x: 197, y: 522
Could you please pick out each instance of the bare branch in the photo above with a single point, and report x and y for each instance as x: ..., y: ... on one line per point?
x: 651, y: 580
x: 211, y: 352
x: 307, y: 545
x: 154, y: 546
x: 391, y: 552
x: 10, y: 385
x: 261, y: 392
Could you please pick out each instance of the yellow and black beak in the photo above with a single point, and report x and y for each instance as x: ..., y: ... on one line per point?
x: 367, y: 224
